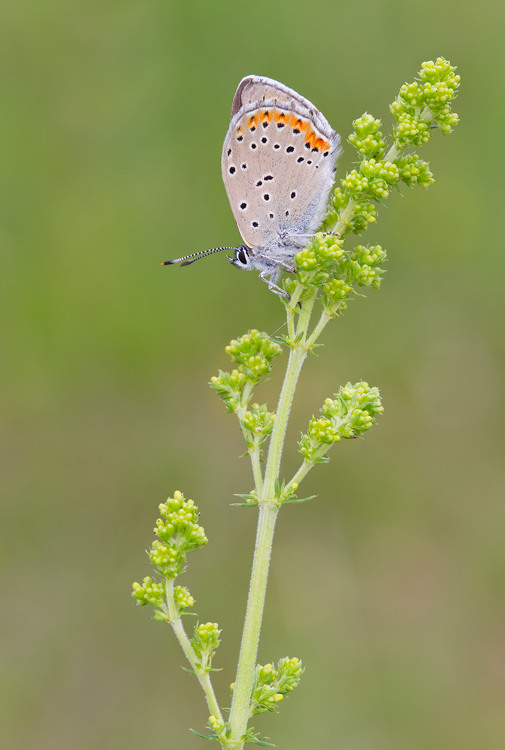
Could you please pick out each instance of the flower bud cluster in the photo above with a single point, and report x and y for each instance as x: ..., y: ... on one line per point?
x: 358, y: 193
x: 219, y: 728
x: 414, y: 171
x: 359, y: 211
x: 205, y: 642
x: 178, y: 533
x: 272, y: 683
x: 149, y: 592
x: 411, y: 130
x: 363, y: 267
x: 426, y: 103
x: 420, y: 107
x: 183, y: 598
x: 318, y: 261
x: 348, y: 415
x: 373, y: 180
x: 326, y: 264
x: 257, y: 424
x: 253, y: 353
x: 229, y: 386
x: 367, y: 137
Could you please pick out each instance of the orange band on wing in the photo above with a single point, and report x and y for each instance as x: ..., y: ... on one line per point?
x: 309, y: 137
x: 298, y: 124
x: 282, y: 117
x: 252, y: 121
x: 319, y: 144
x: 287, y: 118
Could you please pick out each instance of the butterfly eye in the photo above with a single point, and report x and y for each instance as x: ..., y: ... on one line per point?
x: 241, y: 255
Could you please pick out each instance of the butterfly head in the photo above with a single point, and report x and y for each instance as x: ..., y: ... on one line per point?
x: 241, y: 258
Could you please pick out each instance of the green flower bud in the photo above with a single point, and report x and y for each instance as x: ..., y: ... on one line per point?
x: 220, y: 730
x: 426, y: 103
x: 178, y: 533
x: 372, y: 180
x: 257, y: 425
x: 229, y: 386
x: 253, y: 353
x: 272, y: 683
x: 360, y: 267
x: 183, y: 598
x: 419, y: 107
x: 334, y: 292
x: 367, y: 137
x: 411, y: 129
x: 348, y: 415
x: 365, y: 213
x: 317, y: 262
x: 441, y: 82
x: 323, y: 431
x: 166, y: 559
x: 414, y: 171
x: 179, y: 521
x: 355, y: 183
x: 364, y: 265
x: 306, y: 260
x: 149, y: 592
x: 205, y: 642
x: 215, y: 724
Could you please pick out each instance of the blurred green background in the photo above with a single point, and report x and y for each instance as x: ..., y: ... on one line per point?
x: 390, y: 585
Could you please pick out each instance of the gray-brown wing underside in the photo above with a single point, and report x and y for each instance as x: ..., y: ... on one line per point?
x: 278, y: 164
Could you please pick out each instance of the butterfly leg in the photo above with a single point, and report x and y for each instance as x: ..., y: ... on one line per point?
x: 279, y: 264
x: 285, y: 267
x: 272, y: 285
x: 309, y: 236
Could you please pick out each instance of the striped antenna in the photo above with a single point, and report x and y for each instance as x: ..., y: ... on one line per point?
x: 186, y: 260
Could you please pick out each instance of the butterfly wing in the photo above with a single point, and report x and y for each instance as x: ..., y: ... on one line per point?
x: 278, y: 164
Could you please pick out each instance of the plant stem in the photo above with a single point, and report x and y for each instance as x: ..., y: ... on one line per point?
x: 268, y: 510
x: 323, y: 320
x: 254, y: 455
x: 178, y: 628
x: 290, y: 309
x: 345, y: 217
x: 301, y: 473
x: 297, y: 357
x: 307, y: 466
x: 239, y: 715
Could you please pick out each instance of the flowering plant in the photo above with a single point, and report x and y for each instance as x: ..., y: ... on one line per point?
x: 330, y: 272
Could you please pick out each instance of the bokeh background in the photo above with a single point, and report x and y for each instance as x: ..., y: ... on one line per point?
x: 390, y: 585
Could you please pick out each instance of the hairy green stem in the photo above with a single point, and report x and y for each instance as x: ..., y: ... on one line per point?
x: 301, y: 473
x: 291, y: 308
x: 307, y: 466
x: 323, y: 320
x: 296, y: 359
x: 239, y: 715
x: 254, y: 455
x: 268, y: 510
x: 178, y: 628
x: 345, y: 217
